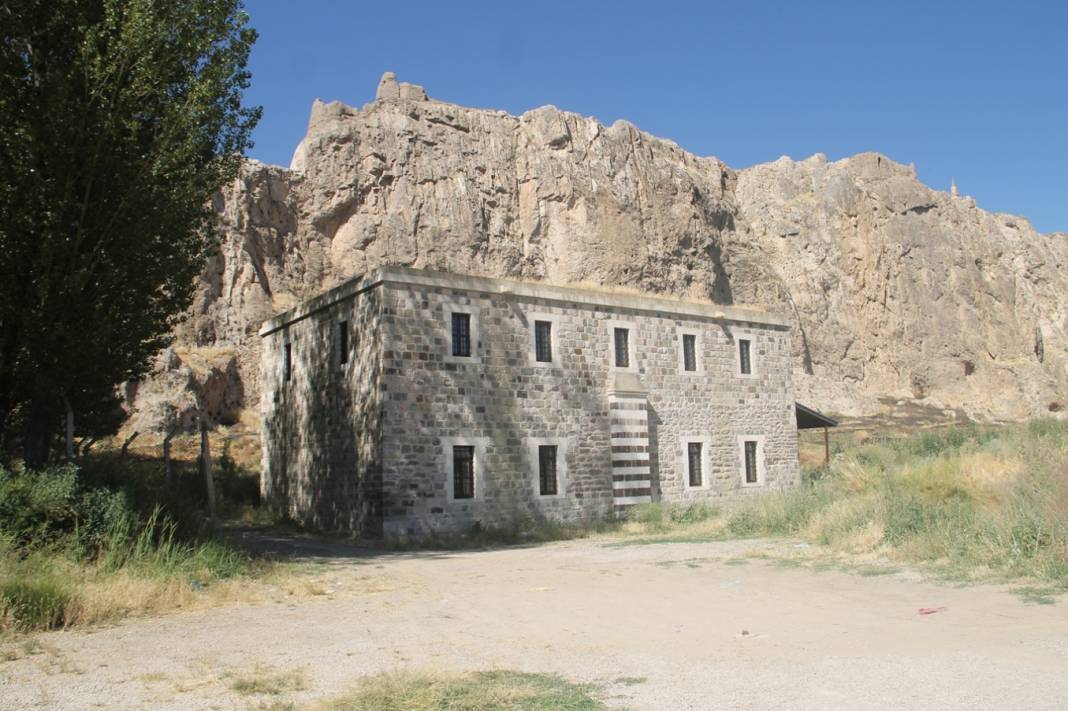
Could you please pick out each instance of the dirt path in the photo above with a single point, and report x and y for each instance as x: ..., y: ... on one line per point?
x: 672, y: 626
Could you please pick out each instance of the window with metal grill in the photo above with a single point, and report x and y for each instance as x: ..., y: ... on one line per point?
x: 547, y: 469
x: 689, y: 351
x: 287, y: 362
x: 543, y: 341
x: 693, y: 455
x: 343, y: 342
x: 622, y: 347
x: 750, y: 462
x: 745, y: 363
x: 463, y: 472
x: 461, y: 335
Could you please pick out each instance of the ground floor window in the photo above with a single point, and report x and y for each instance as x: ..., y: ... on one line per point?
x: 463, y: 472
x: 694, y: 466
x: 752, y: 459
x: 693, y: 463
x: 547, y: 464
x: 547, y: 469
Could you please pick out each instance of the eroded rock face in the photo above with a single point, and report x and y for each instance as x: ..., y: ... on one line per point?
x: 897, y: 290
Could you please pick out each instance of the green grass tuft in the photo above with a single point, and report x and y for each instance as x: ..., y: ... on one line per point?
x: 477, y: 691
x: 35, y: 603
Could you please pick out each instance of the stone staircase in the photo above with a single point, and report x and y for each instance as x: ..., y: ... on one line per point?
x: 628, y: 413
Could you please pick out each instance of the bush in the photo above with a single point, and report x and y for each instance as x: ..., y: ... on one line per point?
x: 694, y: 512
x: 650, y: 514
x: 92, y: 525
x: 44, y: 506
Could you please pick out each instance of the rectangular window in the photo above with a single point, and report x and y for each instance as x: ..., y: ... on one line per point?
x: 745, y: 363
x: 461, y: 335
x: 343, y: 342
x: 693, y: 456
x: 622, y: 348
x: 689, y: 351
x: 287, y: 362
x: 750, y: 462
x: 463, y: 472
x: 543, y: 341
x: 547, y: 469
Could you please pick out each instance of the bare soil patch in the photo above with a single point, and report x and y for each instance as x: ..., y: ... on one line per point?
x: 665, y: 626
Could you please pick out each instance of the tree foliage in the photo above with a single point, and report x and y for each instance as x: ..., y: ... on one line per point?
x: 119, y: 121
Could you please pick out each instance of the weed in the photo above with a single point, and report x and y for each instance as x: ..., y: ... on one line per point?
x: 971, y: 502
x: 267, y: 682
x: 34, y: 603
x: 1039, y: 594
x: 477, y: 691
x: 873, y: 571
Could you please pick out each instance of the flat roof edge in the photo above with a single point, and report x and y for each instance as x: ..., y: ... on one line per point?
x: 589, y: 296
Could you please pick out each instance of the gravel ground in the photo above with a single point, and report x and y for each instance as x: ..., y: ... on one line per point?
x: 669, y: 626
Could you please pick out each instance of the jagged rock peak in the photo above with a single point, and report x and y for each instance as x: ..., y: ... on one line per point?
x: 388, y: 89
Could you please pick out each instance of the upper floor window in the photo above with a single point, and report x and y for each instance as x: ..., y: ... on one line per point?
x: 343, y: 342
x: 622, y: 344
x: 689, y: 352
x: 547, y: 481
x: 461, y: 335
x: 543, y: 341
x: 745, y: 358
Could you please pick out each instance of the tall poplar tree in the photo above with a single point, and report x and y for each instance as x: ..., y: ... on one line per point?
x: 119, y: 121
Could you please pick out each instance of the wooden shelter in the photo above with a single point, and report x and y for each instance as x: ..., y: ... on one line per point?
x: 809, y: 419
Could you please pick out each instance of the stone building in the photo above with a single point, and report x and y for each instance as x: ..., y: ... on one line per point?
x: 407, y: 402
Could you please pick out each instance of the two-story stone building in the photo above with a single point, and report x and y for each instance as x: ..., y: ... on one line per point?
x: 405, y: 402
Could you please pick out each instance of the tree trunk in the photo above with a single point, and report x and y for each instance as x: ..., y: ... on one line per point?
x: 86, y: 445
x: 168, y: 467
x: 39, y: 429
x: 126, y: 444
x: 69, y: 448
x: 205, y: 464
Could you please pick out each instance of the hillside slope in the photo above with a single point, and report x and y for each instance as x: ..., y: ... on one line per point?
x: 897, y: 290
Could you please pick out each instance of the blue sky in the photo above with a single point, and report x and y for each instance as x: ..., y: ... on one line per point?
x: 976, y: 91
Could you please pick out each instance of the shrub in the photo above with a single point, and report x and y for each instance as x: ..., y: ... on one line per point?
x: 651, y: 514
x: 44, y: 506
x: 694, y: 512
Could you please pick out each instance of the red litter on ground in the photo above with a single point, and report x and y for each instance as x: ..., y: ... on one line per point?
x: 931, y: 610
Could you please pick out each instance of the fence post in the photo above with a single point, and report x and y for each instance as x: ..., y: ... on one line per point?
x: 205, y: 463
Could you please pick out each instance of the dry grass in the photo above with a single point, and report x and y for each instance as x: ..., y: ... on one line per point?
x: 971, y: 503
x: 266, y: 681
x: 475, y: 691
x: 203, y: 359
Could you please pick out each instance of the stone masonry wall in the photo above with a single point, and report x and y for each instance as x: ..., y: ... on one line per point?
x: 501, y: 402
x: 321, y: 460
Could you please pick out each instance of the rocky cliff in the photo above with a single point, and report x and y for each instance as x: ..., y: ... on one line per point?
x: 896, y: 290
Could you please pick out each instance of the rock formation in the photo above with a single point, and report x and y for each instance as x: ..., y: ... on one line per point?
x: 897, y: 290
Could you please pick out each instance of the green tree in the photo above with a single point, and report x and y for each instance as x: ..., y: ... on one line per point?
x: 119, y: 122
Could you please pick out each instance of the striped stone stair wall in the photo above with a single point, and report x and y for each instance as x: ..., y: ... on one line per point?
x: 631, y: 473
